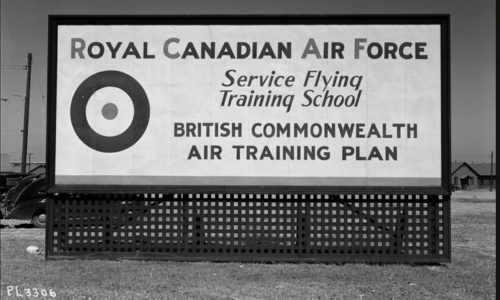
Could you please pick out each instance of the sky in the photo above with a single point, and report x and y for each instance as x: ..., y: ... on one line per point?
x: 24, y: 29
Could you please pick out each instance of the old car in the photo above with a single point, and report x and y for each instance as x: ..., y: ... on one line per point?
x: 10, y: 195
x: 9, y: 180
x: 27, y: 201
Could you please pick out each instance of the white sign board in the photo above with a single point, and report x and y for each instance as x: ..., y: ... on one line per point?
x: 249, y: 105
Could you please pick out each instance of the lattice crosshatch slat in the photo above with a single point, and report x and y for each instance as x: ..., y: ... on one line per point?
x: 250, y: 227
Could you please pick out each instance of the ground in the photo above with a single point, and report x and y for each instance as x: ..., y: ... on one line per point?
x: 473, y: 216
x: 470, y: 274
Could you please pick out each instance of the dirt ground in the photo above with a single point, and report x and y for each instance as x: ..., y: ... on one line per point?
x: 473, y: 223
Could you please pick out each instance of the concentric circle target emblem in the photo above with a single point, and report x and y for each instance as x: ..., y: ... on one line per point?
x: 140, y: 120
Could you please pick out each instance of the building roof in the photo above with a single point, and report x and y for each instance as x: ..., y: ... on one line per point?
x: 455, y: 166
x: 484, y: 169
x: 479, y: 169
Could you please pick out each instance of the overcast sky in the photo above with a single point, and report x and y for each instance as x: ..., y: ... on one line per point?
x: 25, y: 23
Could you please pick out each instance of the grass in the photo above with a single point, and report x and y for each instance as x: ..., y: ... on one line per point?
x: 471, y: 275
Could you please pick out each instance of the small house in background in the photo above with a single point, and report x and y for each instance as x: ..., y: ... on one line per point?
x: 6, y: 166
x: 34, y: 167
x: 462, y: 176
x: 472, y: 176
x: 484, y: 178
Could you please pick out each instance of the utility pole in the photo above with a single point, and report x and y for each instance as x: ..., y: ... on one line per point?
x: 491, y: 176
x: 26, y: 116
x: 29, y: 162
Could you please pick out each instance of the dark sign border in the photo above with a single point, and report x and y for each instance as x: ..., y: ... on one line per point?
x: 442, y: 20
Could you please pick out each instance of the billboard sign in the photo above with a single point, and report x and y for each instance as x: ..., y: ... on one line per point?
x: 261, y: 104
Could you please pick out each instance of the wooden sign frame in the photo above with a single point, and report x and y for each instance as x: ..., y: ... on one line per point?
x: 442, y: 20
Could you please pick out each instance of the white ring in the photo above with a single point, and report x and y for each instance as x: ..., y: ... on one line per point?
x: 122, y: 120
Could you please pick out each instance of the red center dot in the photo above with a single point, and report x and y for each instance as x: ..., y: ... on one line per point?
x: 109, y: 111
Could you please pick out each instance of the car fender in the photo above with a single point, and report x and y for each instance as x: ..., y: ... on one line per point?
x: 27, y: 209
x: 12, y: 193
x: 30, y: 191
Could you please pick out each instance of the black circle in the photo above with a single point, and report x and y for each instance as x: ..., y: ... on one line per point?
x: 82, y: 96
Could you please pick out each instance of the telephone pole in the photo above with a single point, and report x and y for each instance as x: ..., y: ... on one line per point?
x: 26, y: 116
x: 29, y: 162
x: 491, y: 176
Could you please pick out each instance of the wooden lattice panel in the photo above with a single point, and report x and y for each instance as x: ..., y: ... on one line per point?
x: 250, y: 227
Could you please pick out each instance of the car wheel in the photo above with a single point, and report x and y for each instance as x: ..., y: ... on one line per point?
x: 39, y: 220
